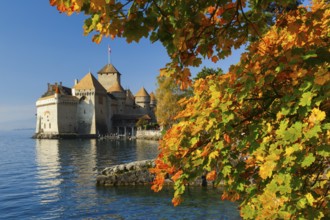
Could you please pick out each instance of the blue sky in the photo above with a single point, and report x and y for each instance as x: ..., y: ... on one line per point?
x: 39, y: 45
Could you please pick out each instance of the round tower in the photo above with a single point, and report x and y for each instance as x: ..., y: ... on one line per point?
x: 119, y: 93
x: 142, y: 98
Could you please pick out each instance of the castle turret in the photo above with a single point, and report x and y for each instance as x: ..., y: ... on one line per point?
x: 92, y: 108
x: 116, y: 88
x: 108, y: 76
x: 119, y: 93
x: 142, y: 98
x: 153, y: 101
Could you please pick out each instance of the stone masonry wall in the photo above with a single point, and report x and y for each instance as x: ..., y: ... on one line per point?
x: 148, y: 134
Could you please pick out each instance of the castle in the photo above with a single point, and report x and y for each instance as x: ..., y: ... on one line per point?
x: 93, y: 107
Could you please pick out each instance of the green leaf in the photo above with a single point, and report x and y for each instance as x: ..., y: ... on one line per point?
x: 302, y: 203
x: 194, y: 140
x: 323, y: 150
x: 294, y: 132
x: 281, y: 131
x: 279, y: 68
x: 306, y: 99
x: 308, y: 160
x: 226, y: 170
x: 308, y: 56
x: 313, y: 132
x: 240, y: 187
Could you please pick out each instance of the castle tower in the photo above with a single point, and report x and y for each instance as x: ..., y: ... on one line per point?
x: 119, y: 93
x: 142, y: 98
x: 92, y: 108
x: 108, y: 76
x: 153, y: 101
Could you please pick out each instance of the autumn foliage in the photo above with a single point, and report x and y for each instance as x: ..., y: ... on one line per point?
x: 262, y: 130
x: 189, y: 30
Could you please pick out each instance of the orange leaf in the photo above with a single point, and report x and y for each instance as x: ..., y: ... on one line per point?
x: 215, y: 59
x: 227, y: 138
x: 158, y: 182
x: 224, y: 196
x: 177, y: 200
x: 211, y: 9
x: 177, y: 175
x: 52, y: 2
x: 211, y: 175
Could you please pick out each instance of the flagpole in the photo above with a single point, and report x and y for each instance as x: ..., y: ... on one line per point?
x: 109, y: 51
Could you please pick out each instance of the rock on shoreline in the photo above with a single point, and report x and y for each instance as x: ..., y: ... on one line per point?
x: 136, y: 173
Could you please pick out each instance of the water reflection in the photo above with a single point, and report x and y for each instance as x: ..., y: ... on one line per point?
x: 55, y: 179
x: 68, y: 168
x: 66, y: 176
x: 48, y: 170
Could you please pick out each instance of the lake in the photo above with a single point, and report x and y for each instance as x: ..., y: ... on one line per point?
x: 55, y: 179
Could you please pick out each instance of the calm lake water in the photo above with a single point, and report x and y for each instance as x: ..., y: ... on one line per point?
x: 55, y: 179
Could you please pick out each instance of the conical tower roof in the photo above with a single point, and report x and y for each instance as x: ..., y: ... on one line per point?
x: 89, y: 82
x: 116, y: 87
x: 109, y: 68
x: 142, y: 93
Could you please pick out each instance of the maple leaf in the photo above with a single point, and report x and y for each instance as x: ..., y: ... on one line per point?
x: 266, y: 169
x: 211, y: 175
x: 316, y: 116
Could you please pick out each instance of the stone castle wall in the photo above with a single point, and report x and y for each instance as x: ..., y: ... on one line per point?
x: 148, y: 134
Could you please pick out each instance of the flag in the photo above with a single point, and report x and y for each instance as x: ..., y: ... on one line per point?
x: 109, y: 49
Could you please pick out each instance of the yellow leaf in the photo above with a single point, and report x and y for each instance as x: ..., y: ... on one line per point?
x: 266, y: 169
x: 316, y: 116
x: 310, y: 198
x: 289, y: 151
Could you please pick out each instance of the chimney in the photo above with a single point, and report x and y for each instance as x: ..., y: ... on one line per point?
x: 76, y: 81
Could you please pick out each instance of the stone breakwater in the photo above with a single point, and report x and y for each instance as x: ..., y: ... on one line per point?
x: 136, y: 173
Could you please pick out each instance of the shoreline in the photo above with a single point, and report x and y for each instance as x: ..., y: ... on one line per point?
x: 142, y: 134
x: 137, y: 173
